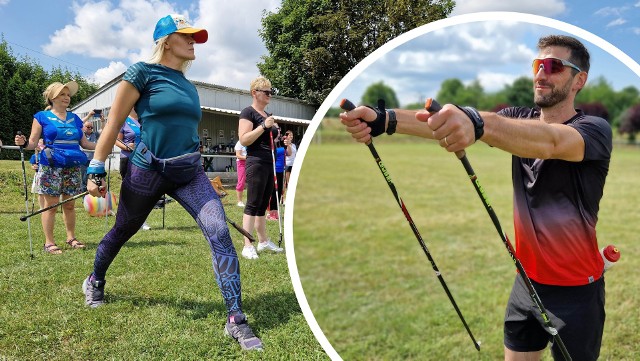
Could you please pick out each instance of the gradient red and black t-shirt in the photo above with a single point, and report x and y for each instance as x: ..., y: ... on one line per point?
x: 556, y: 206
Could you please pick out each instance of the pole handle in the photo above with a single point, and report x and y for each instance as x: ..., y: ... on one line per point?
x: 348, y: 105
x: 432, y: 106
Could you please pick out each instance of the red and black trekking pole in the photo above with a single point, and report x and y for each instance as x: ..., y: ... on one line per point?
x: 275, y: 181
x: 347, y: 105
x: 433, y: 107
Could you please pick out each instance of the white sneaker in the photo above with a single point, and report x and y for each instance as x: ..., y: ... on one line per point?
x: 145, y: 226
x: 269, y: 246
x: 240, y: 204
x: 249, y: 252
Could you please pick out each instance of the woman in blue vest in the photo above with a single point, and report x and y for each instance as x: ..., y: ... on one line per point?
x: 166, y: 160
x: 60, y: 161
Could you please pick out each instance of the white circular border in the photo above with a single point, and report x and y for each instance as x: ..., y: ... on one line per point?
x: 339, y: 89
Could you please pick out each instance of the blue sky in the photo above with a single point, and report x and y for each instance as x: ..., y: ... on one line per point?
x: 101, y: 38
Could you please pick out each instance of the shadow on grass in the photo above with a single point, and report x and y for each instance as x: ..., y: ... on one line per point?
x: 268, y: 310
x: 145, y: 243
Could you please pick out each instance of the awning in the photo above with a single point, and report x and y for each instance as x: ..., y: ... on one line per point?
x: 277, y: 118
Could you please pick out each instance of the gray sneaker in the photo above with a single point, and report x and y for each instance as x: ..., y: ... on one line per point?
x: 94, y: 292
x: 238, y: 328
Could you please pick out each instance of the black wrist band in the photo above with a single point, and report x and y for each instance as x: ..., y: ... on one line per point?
x: 263, y: 126
x: 476, y: 120
x: 393, y: 122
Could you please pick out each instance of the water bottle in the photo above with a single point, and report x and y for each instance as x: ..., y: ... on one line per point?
x: 610, y: 255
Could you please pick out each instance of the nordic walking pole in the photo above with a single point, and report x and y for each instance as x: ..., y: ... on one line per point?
x: 275, y: 181
x: 26, y: 196
x: 107, y: 200
x: 433, y: 107
x: 347, y: 105
x: 241, y: 230
x: 164, y: 206
x: 24, y: 218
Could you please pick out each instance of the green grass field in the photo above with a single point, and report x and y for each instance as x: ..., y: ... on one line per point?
x: 163, y: 302
x: 372, y: 289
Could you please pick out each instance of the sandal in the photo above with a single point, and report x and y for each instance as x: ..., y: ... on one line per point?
x: 75, y: 244
x: 52, y: 249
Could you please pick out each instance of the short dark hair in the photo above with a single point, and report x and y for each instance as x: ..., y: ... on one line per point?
x: 579, y: 53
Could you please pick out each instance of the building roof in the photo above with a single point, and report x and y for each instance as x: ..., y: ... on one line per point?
x: 277, y: 118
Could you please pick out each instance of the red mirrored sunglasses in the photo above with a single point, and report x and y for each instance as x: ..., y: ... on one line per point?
x: 552, y: 65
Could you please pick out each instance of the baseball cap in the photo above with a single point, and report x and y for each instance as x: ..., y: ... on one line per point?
x: 178, y: 24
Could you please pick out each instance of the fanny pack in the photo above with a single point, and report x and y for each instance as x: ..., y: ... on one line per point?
x: 65, y: 158
x: 179, y: 170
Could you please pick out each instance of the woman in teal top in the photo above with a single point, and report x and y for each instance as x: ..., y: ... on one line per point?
x: 168, y: 107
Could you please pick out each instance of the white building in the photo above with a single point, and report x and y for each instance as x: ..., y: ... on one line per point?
x: 221, y: 107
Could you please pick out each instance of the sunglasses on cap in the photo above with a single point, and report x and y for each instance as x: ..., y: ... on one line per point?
x: 266, y: 92
x: 552, y: 65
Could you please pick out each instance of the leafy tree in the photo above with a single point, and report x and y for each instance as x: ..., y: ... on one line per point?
x: 520, y: 93
x: 630, y: 123
x: 449, y: 91
x: 380, y: 91
x: 454, y: 91
x: 596, y: 109
x: 22, y: 82
x: 312, y: 44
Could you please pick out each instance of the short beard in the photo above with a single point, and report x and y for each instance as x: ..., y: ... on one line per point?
x: 556, y: 96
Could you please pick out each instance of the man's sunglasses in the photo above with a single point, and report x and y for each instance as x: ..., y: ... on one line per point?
x: 552, y: 65
x: 266, y: 92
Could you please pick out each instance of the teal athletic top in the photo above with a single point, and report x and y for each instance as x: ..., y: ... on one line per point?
x: 168, y: 110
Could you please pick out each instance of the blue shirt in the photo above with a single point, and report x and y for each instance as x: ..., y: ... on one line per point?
x: 130, y: 134
x: 280, y: 159
x: 168, y: 110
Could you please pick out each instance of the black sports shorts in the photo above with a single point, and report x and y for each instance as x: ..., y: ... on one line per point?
x: 577, y: 312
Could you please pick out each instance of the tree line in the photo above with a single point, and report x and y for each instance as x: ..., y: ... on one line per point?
x: 620, y: 108
x: 22, y: 82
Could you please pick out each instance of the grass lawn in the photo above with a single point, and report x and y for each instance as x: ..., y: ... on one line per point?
x: 372, y: 289
x: 163, y: 302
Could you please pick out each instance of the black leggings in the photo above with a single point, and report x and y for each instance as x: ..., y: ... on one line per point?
x: 259, y: 187
x: 123, y: 166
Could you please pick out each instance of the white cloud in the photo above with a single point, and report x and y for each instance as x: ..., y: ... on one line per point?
x: 234, y: 47
x: 493, y: 53
x: 105, y: 75
x: 616, y: 22
x: 547, y: 8
x: 4, y: 2
x: 493, y: 82
x: 123, y: 34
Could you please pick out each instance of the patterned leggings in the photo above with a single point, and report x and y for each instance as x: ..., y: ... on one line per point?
x: 140, y: 191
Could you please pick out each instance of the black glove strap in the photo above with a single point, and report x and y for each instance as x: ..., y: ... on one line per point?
x: 96, y: 178
x: 377, y: 126
x: 476, y: 120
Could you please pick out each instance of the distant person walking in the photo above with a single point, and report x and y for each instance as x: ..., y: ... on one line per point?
x: 241, y: 160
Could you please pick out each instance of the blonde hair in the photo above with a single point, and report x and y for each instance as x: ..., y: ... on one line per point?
x: 158, y: 53
x: 260, y: 83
